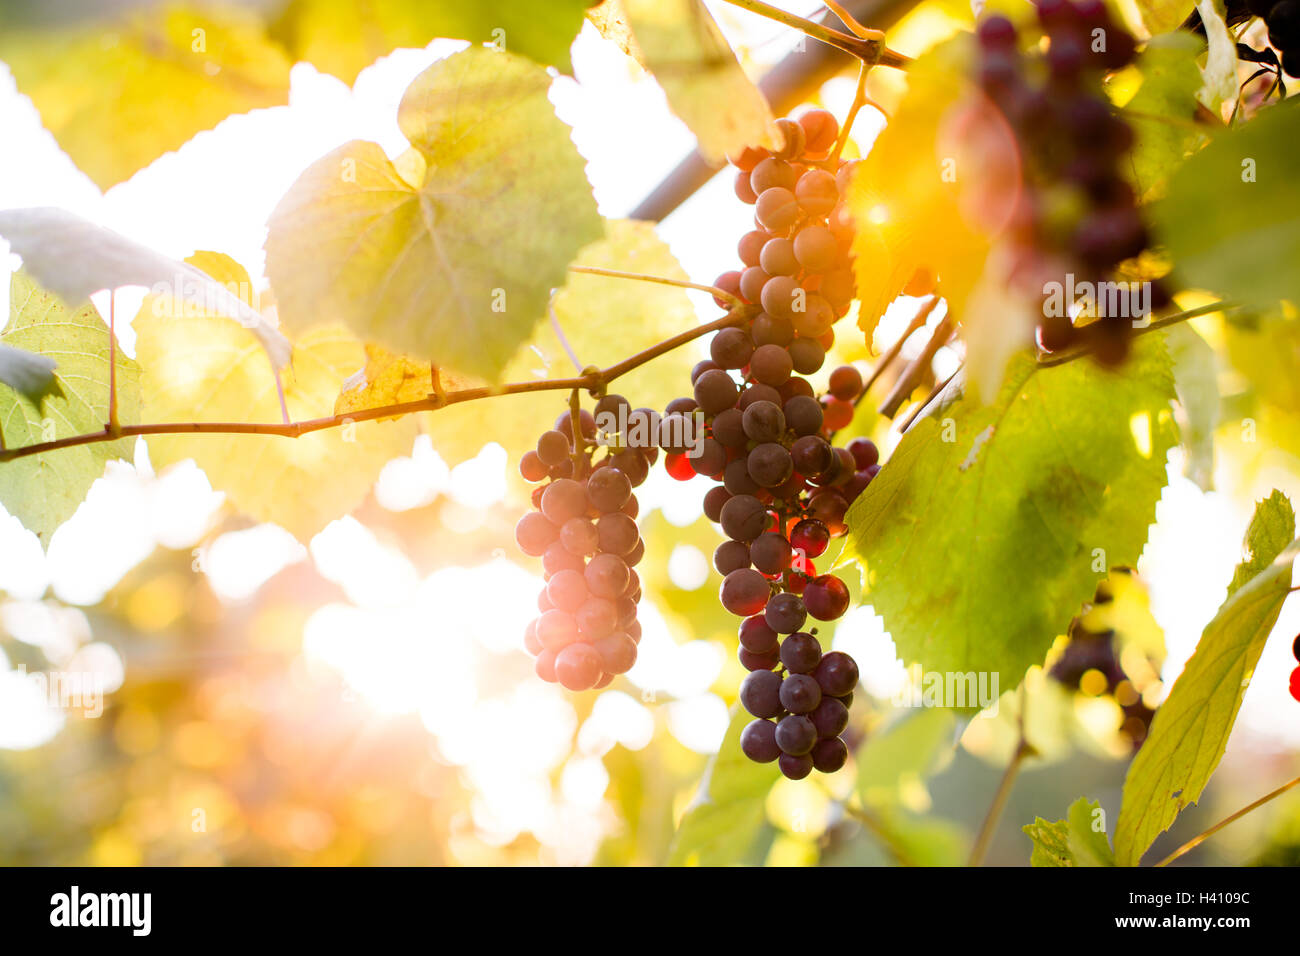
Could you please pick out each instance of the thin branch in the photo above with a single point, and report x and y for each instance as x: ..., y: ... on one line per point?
x: 1197, y: 841
x: 722, y: 294
x: 112, y: 427
x: 919, y: 319
x: 923, y: 405
x: 1023, y: 749
x: 593, y: 380
x: 916, y: 369
x: 564, y: 341
x: 870, y: 49
x: 1049, y: 359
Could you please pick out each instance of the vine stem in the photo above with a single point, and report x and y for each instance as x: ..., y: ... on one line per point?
x: 1049, y: 359
x: 1023, y: 749
x: 439, y: 399
x: 870, y: 48
x: 1197, y: 841
x: 113, y: 427
x: 662, y: 280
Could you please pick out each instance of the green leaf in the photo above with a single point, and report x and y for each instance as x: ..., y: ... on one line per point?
x: 1163, y: 110
x: 200, y: 367
x: 679, y: 42
x: 985, y: 531
x: 1074, y: 841
x: 1190, y: 730
x: 1231, y: 219
x: 343, y: 37
x: 729, y: 813
x: 1196, y: 379
x: 604, y: 320
x: 119, y: 94
x: 26, y: 372
x: 903, y: 754
x: 42, y: 491
x: 458, y: 270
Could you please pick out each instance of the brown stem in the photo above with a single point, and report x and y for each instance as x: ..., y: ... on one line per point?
x: 1197, y: 841
x: 722, y: 294
x: 869, y: 49
x: 912, y: 375
x: 1049, y: 359
x: 1023, y: 749
x: 112, y: 427
x: 431, y: 403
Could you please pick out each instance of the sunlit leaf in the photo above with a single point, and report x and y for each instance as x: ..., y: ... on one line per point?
x: 1190, y: 730
x: 202, y: 368
x: 26, y: 372
x: 1163, y: 111
x: 42, y: 491
x: 117, y: 94
x: 1041, y: 493
x: 1196, y: 378
x: 678, y: 41
x: 459, y: 270
x: 1074, y: 841
x: 343, y: 37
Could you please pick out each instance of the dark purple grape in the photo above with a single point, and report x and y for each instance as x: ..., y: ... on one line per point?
x: 617, y: 533
x: 730, y: 556
x: 795, y: 734
x: 770, y: 552
x: 837, y: 674
x: 731, y: 348
x: 812, y: 454
x: 763, y: 421
x: 757, y: 637
x: 714, y: 499
x: 770, y: 364
x: 758, y: 392
x: 827, y: 597
x: 758, y: 741
x: 800, y: 653
x: 785, y: 613
x: 715, y: 390
x: 803, y: 415
x: 800, y: 694
x: 757, y: 662
x: 770, y: 464
x: 607, y: 489
x: 846, y: 383
x: 795, y: 768
x: 760, y: 694
x: 710, y: 459
x: 829, y: 755
x: 807, y: 355
x: 705, y: 365
x: 744, y: 518
x: 744, y: 592
x: 830, y: 717
x: 864, y: 452
x: 736, y: 480
x: 769, y: 330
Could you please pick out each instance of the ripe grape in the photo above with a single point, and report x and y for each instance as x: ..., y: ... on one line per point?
x: 800, y: 652
x: 771, y: 365
x: 731, y: 348
x: 617, y: 653
x: 831, y: 717
x: 792, y: 138
x: 744, y: 592
x: 758, y: 393
x: 544, y: 666
x: 763, y: 421
x: 557, y: 557
x: 567, y: 590
x: 711, y: 459
x: 532, y: 468
x: 770, y: 553
x: 535, y: 533
x: 744, y: 191
x: 607, y: 490
x: 815, y: 318
x: 804, y: 415
x: 744, y: 518
x: 800, y: 694
x: 758, y: 741
x: 785, y: 613
x: 578, y: 667
x: 730, y: 556
x: 780, y: 295
x: 864, y: 452
x: 751, y: 246
x: 795, y: 767
x: 729, y: 427
x: 597, y: 617
x: 769, y: 330
x: 760, y: 694
x: 769, y: 464
x: 777, y: 210
x: 829, y: 754
x: 777, y: 258
x: 795, y: 734
x: 564, y: 499
x: 827, y: 598
x: 616, y: 533
x: 757, y: 662
x: 772, y: 173
x: 736, y: 478
x: 810, y: 536
x: 715, y: 391
x: 757, y: 637
x: 817, y: 195
x: 580, y: 536
x: 837, y: 674
x: 607, y: 575
x: 846, y: 384
x: 821, y: 129
x: 807, y: 355
x: 815, y: 247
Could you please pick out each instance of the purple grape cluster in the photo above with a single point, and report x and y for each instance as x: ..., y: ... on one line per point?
x: 584, y: 530
x: 1077, y: 210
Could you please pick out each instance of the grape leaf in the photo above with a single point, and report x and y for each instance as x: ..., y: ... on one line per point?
x: 199, y: 367
x: 679, y: 42
x: 460, y: 269
x: 42, y: 491
x: 25, y: 371
x: 933, y: 191
x: 729, y: 812
x: 604, y: 320
x: 75, y: 258
x: 1163, y: 110
x: 985, y: 531
x: 1231, y: 217
x: 1190, y: 730
x: 1072, y: 841
x: 1196, y: 378
x: 118, y: 94
x: 343, y: 37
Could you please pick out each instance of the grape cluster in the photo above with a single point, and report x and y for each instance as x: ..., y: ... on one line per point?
x: 1077, y: 213
x: 1283, y: 20
x: 1090, y: 651
x: 784, y: 488
x: 584, y: 530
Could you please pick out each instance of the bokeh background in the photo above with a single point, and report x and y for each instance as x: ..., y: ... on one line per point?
x: 365, y: 699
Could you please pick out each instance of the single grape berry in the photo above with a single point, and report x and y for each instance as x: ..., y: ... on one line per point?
x: 817, y: 193
x: 757, y: 662
x: 760, y: 694
x: 736, y: 479
x: 785, y: 613
x: 810, y: 537
x: 820, y: 128
x: 728, y: 427
x: 836, y: 674
x: 769, y: 553
x: 807, y: 355
x: 744, y: 518
x: 567, y: 590
x: 846, y: 383
x: 795, y: 768
x: 744, y: 592
x: 777, y: 258
x: 715, y: 390
x: 769, y: 464
x: 829, y: 755
x: 795, y: 735
x: 578, y: 667
x: 730, y: 556
x: 731, y: 348
x: 580, y: 536
x: 811, y: 454
x: 815, y: 247
x: 607, y: 576
x: 771, y: 365
x: 777, y: 210
x: 830, y: 718
x: 617, y: 533
x: 800, y: 694
x: 827, y: 597
x: 763, y: 421
x: 756, y: 636
x: 535, y: 533
x: 597, y: 618
x: 804, y: 415
x: 758, y: 741
x: 617, y: 653
x: 800, y: 653
x: 608, y: 489
x: 864, y: 452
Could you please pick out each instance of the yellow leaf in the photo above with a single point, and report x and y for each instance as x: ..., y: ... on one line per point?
x: 206, y: 368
